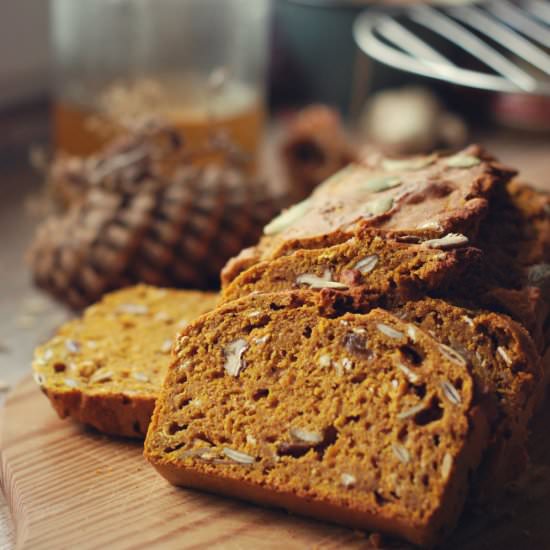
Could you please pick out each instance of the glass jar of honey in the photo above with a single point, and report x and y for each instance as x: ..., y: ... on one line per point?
x: 199, y: 65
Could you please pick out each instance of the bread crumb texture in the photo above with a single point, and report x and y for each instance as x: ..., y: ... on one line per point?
x: 284, y: 400
x: 106, y: 368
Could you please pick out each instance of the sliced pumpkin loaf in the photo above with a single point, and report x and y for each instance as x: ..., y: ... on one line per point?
x: 279, y: 399
x: 513, y: 275
x: 431, y: 196
x: 106, y: 368
x: 507, y: 371
x: 372, y: 261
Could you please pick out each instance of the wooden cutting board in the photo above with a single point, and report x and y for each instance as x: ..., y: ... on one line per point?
x: 68, y: 487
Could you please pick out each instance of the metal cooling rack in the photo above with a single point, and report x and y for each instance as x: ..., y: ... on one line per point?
x: 496, y: 45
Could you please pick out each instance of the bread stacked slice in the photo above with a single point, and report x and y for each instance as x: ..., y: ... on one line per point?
x: 360, y: 367
x: 372, y: 361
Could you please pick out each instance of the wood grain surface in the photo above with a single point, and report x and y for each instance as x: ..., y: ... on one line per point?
x: 69, y: 487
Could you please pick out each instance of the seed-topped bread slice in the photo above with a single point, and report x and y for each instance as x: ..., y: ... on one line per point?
x: 373, y: 263
x: 279, y: 399
x: 106, y: 368
x: 506, y: 368
x: 433, y: 195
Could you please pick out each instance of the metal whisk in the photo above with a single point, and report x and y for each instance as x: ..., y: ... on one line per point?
x: 506, y: 42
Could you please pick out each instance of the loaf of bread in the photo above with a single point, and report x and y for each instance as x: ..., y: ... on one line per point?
x: 106, y: 369
x: 282, y: 400
x: 432, y: 196
x: 371, y: 262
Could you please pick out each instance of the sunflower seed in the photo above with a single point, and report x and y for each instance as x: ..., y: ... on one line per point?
x: 325, y: 361
x: 389, y: 331
x: 504, y: 354
x: 306, y: 436
x: 379, y: 206
x: 381, y: 184
x: 451, y: 240
x: 410, y: 239
x: 233, y: 353
x: 446, y: 466
x: 452, y: 355
x: 411, y: 376
x: 468, y: 321
x: 451, y: 393
x: 72, y: 346
x: 184, y: 365
x: 99, y: 376
x: 401, y: 452
x: 403, y: 415
x: 313, y: 281
x: 255, y: 313
x: 412, y: 332
x: 166, y: 346
x: 287, y: 218
x: 366, y: 265
x: 238, y: 456
x: 347, y: 364
x: 162, y: 316
x: 84, y: 368
x: 205, y: 453
x: 435, y: 225
x: 348, y: 480
x: 133, y: 309
x: 462, y: 161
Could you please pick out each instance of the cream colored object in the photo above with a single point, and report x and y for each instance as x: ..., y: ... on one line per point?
x: 410, y: 120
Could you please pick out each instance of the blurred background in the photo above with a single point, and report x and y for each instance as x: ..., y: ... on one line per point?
x: 277, y: 95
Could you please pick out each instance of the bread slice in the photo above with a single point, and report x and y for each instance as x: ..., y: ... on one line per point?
x: 432, y: 195
x: 376, y: 263
x: 513, y: 276
x: 507, y: 371
x: 106, y: 368
x: 279, y: 399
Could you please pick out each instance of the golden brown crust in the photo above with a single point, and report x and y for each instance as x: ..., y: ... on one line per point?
x: 105, y: 369
x: 117, y: 414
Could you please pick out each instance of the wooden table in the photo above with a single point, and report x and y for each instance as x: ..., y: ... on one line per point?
x: 29, y: 317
